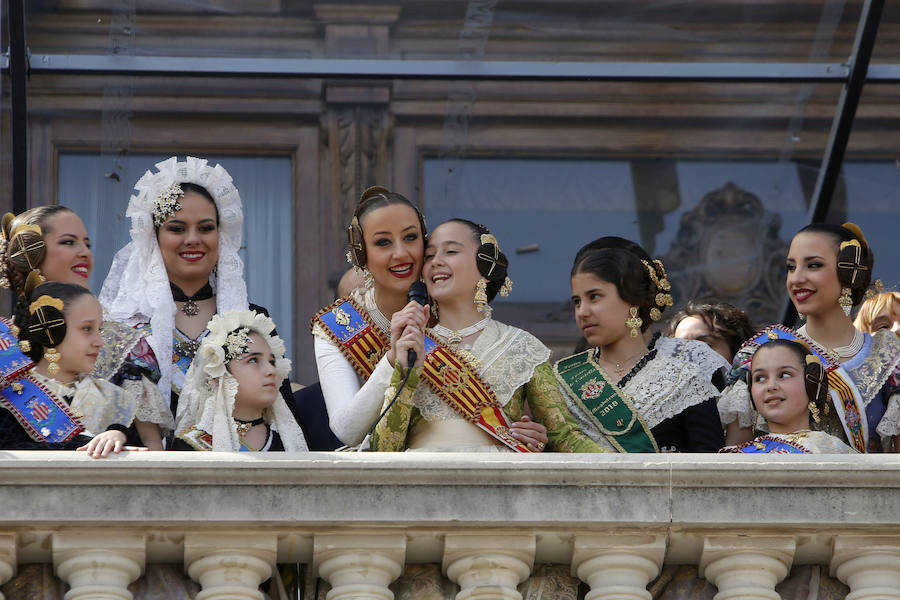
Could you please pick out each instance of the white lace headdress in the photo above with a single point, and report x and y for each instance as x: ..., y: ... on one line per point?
x: 136, y: 290
x: 207, y: 399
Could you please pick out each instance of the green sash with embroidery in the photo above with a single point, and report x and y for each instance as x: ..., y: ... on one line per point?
x: 608, y: 407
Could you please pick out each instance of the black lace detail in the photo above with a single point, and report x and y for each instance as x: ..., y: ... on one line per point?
x: 651, y: 354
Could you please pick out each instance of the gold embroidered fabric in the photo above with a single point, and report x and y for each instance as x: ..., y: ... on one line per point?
x: 118, y: 340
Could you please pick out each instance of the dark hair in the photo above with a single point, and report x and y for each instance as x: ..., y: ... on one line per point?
x: 17, y: 271
x: 618, y: 261
x: 188, y: 187
x: 494, y: 271
x: 727, y: 321
x: 38, y: 337
x: 839, y: 234
x: 817, y: 371
x: 372, y: 199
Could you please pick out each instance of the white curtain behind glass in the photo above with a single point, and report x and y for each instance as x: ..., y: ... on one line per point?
x: 265, y: 187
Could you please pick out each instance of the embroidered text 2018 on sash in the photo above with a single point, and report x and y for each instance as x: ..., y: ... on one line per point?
x: 354, y: 333
x: 460, y: 386
x: 608, y: 407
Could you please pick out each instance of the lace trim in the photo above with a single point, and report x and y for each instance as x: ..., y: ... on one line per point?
x: 882, y: 360
x: 678, y: 377
x: 96, y: 402
x: 735, y: 405
x: 118, y: 341
x: 151, y: 406
x: 508, y: 357
x: 890, y: 423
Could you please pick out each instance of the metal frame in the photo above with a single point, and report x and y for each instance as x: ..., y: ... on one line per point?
x: 854, y: 75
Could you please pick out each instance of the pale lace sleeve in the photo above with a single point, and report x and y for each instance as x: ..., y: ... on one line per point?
x: 890, y: 422
x: 151, y: 406
x: 352, y: 409
x: 734, y: 405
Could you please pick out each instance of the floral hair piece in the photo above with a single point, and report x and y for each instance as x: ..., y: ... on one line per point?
x: 236, y: 343
x: 167, y: 203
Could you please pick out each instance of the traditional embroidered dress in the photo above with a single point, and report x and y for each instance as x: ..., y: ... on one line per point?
x: 353, y: 392
x: 671, y: 394
x: 513, y: 363
x: 875, y: 372
x: 799, y: 442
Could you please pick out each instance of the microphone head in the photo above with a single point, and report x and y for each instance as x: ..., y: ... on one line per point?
x: 418, y: 293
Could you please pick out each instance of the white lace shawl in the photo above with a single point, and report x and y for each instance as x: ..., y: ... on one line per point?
x: 136, y: 290
x: 96, y: 402
x: 678, y: 377
x: 508, y: 357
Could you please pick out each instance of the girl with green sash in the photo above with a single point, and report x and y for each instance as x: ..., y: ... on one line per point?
x: 628, y: 395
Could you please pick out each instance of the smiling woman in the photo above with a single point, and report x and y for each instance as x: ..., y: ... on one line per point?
x: 181, y: 266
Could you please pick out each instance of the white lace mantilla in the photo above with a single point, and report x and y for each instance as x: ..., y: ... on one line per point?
x: 678, y: 377
x: 508, y: 357
x: 136, y: 290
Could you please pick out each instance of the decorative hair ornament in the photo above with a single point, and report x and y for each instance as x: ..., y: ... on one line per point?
x: 663, y: 298
x: 634, y: 322
x: 876, y: 288
x: 4, y: 244
x: 816, y: 383
x: 166, y: 203
x: 236, y: 343
x: 50, y: 328
x: 46, y: 300
x: 26, y: 249
x: 857, y: 233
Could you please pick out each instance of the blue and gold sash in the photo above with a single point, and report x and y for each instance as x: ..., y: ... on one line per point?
x: 454, y: 380
x: 845, y: 397
x: 41, y: 413
x: 766, y: 444
x: 351, y: 329
x: 13, y: 363
x: 608, y: 407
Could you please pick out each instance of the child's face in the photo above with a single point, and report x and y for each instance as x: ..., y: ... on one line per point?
x: 778, y: 389
x: 78, y: 350
x: 255, y: 374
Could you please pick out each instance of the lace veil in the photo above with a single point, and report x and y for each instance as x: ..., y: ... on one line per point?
x: 207, y: 398
x: 136, y: 290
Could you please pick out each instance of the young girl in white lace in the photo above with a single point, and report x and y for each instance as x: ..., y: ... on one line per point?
x: 628, y: 395
x: 230, y: 400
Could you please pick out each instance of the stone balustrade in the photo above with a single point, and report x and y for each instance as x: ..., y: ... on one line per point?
x: 487, y: 519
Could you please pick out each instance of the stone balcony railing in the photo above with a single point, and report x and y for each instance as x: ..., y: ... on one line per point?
x: 356, y: 519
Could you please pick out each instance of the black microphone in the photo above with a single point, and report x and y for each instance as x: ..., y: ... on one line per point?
x: 417, y: 293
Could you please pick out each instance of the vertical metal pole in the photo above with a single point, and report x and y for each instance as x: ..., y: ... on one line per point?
x: 833, y: 159
x: 18, y: 68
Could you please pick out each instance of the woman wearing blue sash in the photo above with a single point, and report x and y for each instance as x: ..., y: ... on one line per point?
x: 353, y: 336
x: 51, y: 241
x: 789, y: 389
x: 473, y: 375
x: 829, y: 268
x: 181, y: 266
x: 627, y: 395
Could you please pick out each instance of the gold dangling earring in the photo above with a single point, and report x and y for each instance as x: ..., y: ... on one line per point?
x: 634, y: 322
x: 814, y: 410
x: 845, y: 301
x: 52, y: 357
x: 368, y: 278
x: 481, y: 300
